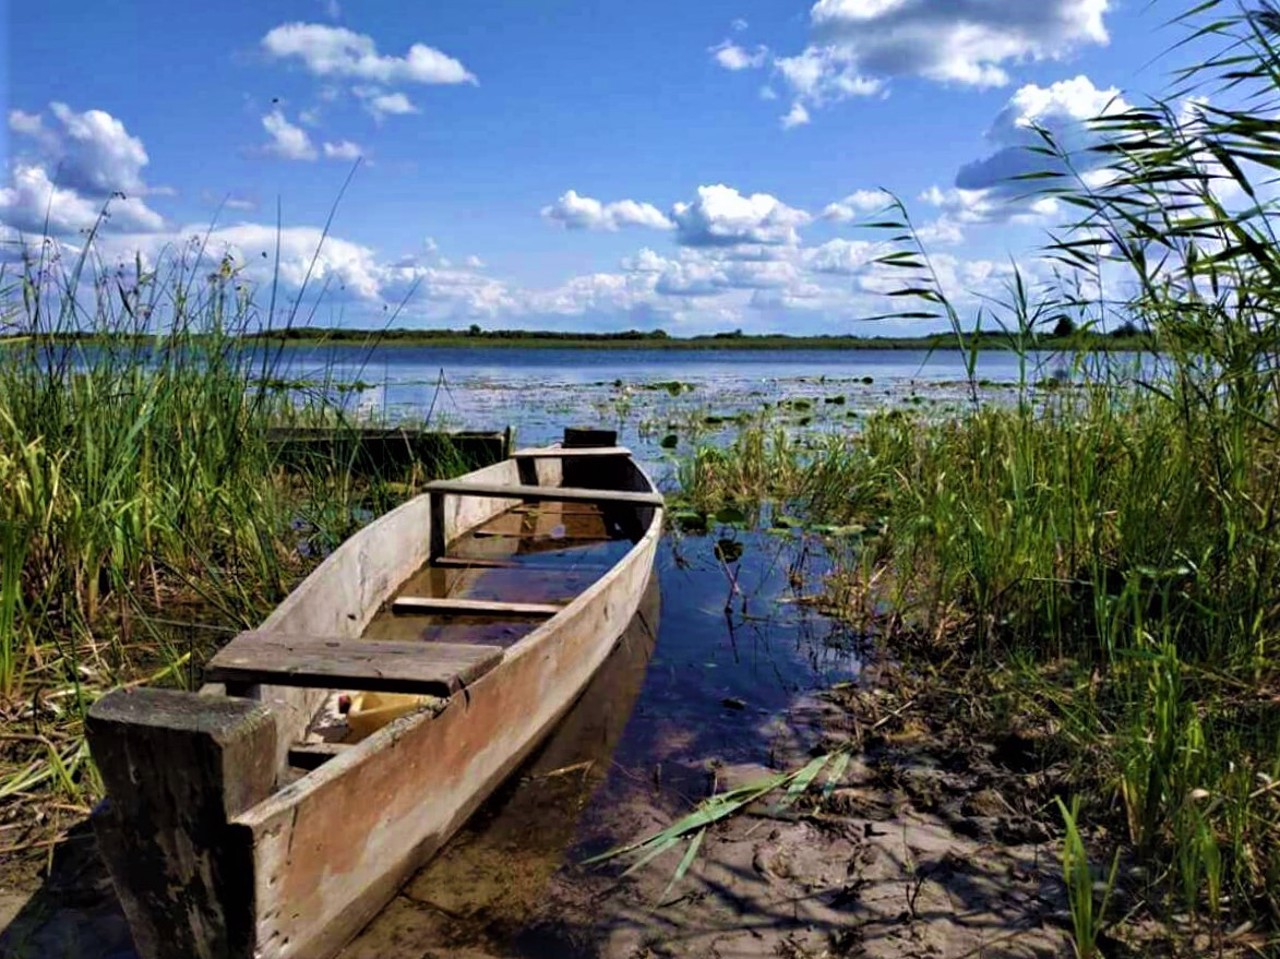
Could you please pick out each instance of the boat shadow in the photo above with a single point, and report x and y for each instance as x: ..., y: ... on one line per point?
x: 74, y: 912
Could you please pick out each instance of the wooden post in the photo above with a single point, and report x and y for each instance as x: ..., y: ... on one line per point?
x: 438, y: 545
x: 578, y: 437
x: 178, y: 767
x: 599, y: 475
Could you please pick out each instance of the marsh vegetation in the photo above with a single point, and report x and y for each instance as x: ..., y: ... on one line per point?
x: 1091, y: 566
x: 1096, y: 568
x: 147, y: 515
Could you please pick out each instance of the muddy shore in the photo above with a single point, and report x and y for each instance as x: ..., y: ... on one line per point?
x: 930, y: 846
x: 931, y: 843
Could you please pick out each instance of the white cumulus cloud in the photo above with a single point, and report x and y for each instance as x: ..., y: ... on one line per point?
x: 721, y: 216
x: 961, y: 41
x: 1064, y: 110
x: 328, y: 51
x: 586, y: 213
x: 855, y: 204
x: 994, y: 188
x: 824, y: 74
x: 66, y: 170
x: 289, y: 142
x: 857, y: 46
x: 843, y: 257
x: 92, y: 151
x: 342, y: 150
x: 797, y: 116
x: 733, y: 57
x: 33, y: 203
x: 28, y: 124
x: 381, y: 104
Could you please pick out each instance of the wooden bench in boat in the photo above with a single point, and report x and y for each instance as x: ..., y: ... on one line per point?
x: 281, y: 659
x: 470, y: 607
x: 561, y: 452
x: 568, y: 494
x: 533, y: 566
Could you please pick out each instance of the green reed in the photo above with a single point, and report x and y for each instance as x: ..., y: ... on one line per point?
x: 1110, y: 547
x: 142, y: 489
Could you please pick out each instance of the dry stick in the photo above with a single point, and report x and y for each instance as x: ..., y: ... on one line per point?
x: 893, y: 715
x: 25, y: 738
x: 584, y: 766
x: 1270, y: 787
x: 43, y: 843
x: 982, y: 947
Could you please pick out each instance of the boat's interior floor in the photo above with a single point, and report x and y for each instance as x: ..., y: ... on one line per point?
x: 543, y: 553
x: 533, y: 553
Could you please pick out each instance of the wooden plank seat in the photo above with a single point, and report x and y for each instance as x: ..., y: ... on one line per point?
x: 561, y: 452
x: 568, y: 494
x: 544, y: 537
x: 282, y: 659
x: 431, y: 605
x: 486, y: 562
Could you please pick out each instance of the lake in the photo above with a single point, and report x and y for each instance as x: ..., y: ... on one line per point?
x: 651, y: 393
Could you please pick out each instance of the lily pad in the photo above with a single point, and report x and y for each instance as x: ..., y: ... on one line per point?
x: 728, y: 550
x: 691, y: 520
x: 730, y: 516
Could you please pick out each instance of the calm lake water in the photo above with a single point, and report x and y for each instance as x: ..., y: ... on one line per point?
x: 647, y: 394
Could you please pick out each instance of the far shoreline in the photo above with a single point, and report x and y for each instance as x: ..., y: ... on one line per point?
x: 1076, y: 342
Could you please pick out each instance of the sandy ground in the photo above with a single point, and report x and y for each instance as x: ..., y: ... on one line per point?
x: 925, y: 849
x: 905, y: 859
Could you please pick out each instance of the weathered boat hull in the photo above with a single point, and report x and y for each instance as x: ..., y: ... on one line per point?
x: 297, y: 871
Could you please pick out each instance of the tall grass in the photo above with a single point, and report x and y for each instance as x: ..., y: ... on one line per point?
x: 1111, y: 547
x: 145, y: 516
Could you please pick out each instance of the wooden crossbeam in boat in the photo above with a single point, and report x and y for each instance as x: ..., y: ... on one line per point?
x: 568, y: 494
x: 470, y: 607
x: 561, y: 452
x: 310, y: 756
x: 544, y: 538
x: 485, y: 562
x: 281, y: 659
x: 476, y: 562
x: 540, y: 510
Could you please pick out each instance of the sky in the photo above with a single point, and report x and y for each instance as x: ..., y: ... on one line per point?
x: 694, y: 167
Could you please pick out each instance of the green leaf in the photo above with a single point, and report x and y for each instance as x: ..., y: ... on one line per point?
x: 801, y: 781
x: 690, y: 519
x: 836, y: 774
x: 685, y: 862
x: 730, y: 516
x: 656, y: 849
x: 728, y: 550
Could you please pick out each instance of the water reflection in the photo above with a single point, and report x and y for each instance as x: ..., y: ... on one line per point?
x: 709, y: 682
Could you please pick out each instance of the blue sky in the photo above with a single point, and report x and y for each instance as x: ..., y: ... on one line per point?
x: 692, y: 166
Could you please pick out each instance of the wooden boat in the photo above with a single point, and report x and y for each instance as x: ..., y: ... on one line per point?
x: 239, y: 824
x: 497, y: 872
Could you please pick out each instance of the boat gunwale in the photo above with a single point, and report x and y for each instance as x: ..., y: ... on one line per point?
x: 343, y: 764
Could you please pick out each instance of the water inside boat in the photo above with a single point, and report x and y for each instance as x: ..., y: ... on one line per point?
x: 542, y: 553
